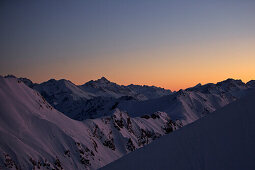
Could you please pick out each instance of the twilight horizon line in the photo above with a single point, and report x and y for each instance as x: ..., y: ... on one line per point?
x: 107, y: 79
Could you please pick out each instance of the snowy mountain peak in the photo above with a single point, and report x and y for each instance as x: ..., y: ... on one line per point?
x: 103, y: 80
x: 231, y: 81
x: 251, y: 83
x: 103, y: 87
x: 198, y: 85
x: 28, y: 82
x: 99, y: 83
x: 58, y: 81
x: 9, y: 76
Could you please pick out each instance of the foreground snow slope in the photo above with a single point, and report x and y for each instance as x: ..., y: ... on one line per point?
x: 34, y: 134
x: 224, y: 140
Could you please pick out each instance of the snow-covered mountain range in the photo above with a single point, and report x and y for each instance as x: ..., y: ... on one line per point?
x: 35, y: 135
x: 46, y: 125
x: 223, y: 140
x: 193, y: 103
x: 93, y: 99
x: 99, y: 98
x: 103, y: 87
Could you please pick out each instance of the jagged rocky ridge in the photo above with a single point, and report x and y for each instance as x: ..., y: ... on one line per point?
x: 35, y: 135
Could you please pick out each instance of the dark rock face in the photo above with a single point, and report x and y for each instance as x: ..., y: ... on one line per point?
x: 130, y: 146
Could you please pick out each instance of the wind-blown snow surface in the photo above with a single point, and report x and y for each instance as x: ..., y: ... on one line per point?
x: 224, y: 140
x: 34, y: 134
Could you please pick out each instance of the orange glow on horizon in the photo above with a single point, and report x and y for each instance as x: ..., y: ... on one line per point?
x: 169, y: 67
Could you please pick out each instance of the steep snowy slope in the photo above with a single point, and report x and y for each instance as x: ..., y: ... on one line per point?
x: 34, y: 134
x: 223, y: 140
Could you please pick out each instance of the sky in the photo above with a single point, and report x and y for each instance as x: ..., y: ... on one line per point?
x: 168, y: 43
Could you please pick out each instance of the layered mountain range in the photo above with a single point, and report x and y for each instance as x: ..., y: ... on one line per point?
x: 93, y: 99
x: 59, y: 125
x: 100, y: 97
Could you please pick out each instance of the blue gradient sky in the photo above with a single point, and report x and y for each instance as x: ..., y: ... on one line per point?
x: 173, y: 44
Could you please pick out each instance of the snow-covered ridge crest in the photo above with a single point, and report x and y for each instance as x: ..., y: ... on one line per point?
x: 35, y: 135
